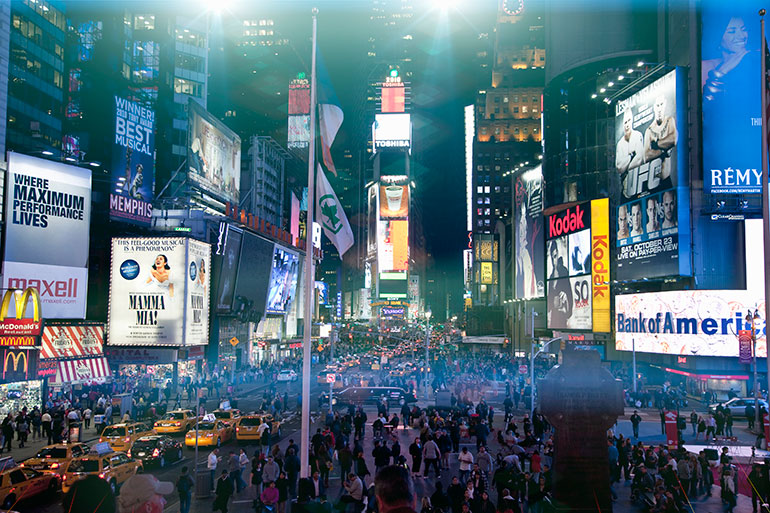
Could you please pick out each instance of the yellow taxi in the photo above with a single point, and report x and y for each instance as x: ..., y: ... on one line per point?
x: 228, y: 416
x: 20, y: 483
x: 54, y: 458
x: 113, y: 467
x: 122, y: 436
x: 175, y: 422
x: 248, y: 427
x: 211, y: 432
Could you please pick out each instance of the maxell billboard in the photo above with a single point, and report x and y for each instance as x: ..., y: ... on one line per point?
x: 577, y: 266
x: 48, y: 216
x: 133, y: 162
x: 653, y: 207
x: 159, y: 292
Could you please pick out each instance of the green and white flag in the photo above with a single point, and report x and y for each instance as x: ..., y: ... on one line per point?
x: 331, y: 215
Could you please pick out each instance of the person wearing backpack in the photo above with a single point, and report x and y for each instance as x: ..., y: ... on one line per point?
x: 184, y: 486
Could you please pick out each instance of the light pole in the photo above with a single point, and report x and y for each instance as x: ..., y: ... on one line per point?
x: 752, y: 319
x: 427, y: 343
x: 532, y: 357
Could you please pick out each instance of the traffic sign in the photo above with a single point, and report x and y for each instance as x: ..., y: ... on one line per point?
x: 523, y: 369
x: 331, y: 378
x: 234, y: 341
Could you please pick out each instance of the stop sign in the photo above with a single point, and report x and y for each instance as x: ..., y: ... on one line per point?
x: 523, y: 369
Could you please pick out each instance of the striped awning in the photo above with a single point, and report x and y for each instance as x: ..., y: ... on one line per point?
x: 82, y: 371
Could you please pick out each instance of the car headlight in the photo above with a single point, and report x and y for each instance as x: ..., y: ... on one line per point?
x: 210, y: 435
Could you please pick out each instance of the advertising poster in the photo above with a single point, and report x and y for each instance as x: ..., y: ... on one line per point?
x: 213, y: 154
x: 530, y: 235
x: 299, y: 131
x: 133, y: 162
x: 47, y: 212
x: 600, y: 264
x: 283, y: 281
x: 393, y: 246
x: 392, y: 130
x: 158, y: 294
x: 197, y: 296
x: 393, y: 97
x: 63, y: 290
x: 394, y: 201
x: 372, y: 217
x: 745, y: 349
x: 732, y: 103
x: 687, y: 322
x: 228, y: 270
x: 652, y: 173
x: 579, y: 253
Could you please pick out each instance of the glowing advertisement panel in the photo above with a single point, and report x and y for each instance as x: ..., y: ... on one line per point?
x: 392, y: 131
x: 213, y: 154
x: 394, y: 201
x: 653, y: 235
x: 393, y: 97
x: 299, y: 131
x: 688, y: 322
x: 732, y: 103
x: 529, y: 235
x: 283, y: 281
x: 393, y: 246
x: 159, y: 292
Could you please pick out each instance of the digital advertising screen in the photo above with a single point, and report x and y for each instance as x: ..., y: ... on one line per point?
x: 731, y: 46
x: 393, y: 246
x: 299, y: 131
x: 283, y: 281
x: 228, y: 259
x: 299, y: 96
x: 687, y: 322
x: 322, y: 289
x: 254, y: 271
x: 653, y: 203
x: 579, y: 244
x: 213, y: 154
x: 393, y: 97
x: 133, y: 163
x: 159, y: 291
x: 392, y: 131
x: 393, y: 285
x: 529, y: 235
x: 394, y: 201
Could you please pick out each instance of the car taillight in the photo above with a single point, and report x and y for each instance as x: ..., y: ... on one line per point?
x: 157, y: 424
x: 128, y: 453
x: 54, y: 465
x: 156, y: 453
x: 101, y: 475
x: 178, y: 424
x: 238, y: 429
x: 127, y: 439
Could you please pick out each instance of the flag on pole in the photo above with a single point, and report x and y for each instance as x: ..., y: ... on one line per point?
x: 331, y: 215
x: 330, y: 114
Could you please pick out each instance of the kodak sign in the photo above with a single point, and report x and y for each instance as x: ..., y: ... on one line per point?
x: 19, y: 326
x: 569, y: 221
x: 600, y: 264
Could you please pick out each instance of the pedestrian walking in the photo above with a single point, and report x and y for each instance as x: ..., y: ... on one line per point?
x: 224, y: 491
x: 184, y: 486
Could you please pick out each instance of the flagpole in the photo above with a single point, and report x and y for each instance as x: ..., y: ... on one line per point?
x: 309, y: 270
x: 765, y: 195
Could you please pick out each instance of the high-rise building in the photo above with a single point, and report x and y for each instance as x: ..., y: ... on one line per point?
x: 262, y: 179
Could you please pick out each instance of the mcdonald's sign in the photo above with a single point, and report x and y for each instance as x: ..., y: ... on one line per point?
x: 16, y: 365
x: 20, y: 325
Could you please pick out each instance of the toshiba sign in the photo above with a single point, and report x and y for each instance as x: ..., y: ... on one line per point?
x: 571, y: 220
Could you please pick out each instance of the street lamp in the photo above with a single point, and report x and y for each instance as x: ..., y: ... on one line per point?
x: 532, y: 357
x: 752, y: 319
x: 427, y: 342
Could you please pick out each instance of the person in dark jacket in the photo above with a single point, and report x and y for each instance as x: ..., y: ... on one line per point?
x: 456, y: 494
x: 415, y: 451
x: 223, y: 492
x: 439, y: 500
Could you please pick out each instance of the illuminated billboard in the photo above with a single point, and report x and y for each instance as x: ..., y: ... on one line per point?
x: 283, y: 281
x: 299, y: 96
x: 213, y: 154
x: 133, y: 162
x: 578, y: 267
x: 529, y: 235
x: 299, y: 131
x: 392, y: 131
x: 393, y: 246
x: 393, y: 285
x: 732, y: 103
x: 159, y: 292
x: 687, y: 322
x: 653, y: 236
x: 393, y: 97
x: 394, y: 201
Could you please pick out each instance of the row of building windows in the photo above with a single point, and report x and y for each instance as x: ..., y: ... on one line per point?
x: 191, y: 37
x: 505, y: 99
x: 191, y: 87
x: 144, y: 22
x: 48, y: 12
x: 33, y: 66
x: 486, y: 189
x: 34, y: 33
x: 189, y: 62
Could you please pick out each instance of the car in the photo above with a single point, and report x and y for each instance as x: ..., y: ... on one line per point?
x: 112, y: 466
x: 359, y: 396
x: 122, y: 436
x: 228, y: 416
x: 212, y: 432
x: 737, y: 405
x: 156, y: 450
x: 287, y: 375
x: 176, y: 422
x: 55, y: 458
x: 19, y: 483
x: 247, y: 427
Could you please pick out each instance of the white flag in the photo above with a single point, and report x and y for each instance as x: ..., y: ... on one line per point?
x: 331, y: 215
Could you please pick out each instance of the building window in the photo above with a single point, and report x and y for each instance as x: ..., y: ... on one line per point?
x: 486, y: 189
x: 479, y: 189
x: 524, y: 109
x: 144, y: 22
x: 182, y: 86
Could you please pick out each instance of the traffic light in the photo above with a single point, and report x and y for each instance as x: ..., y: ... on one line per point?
x: 506, y: 342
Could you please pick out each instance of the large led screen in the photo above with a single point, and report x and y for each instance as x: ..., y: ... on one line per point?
x: 530, y: 235
x: 732, y: 103
x: 653, y: 203
x: 393, y: 246
x: 254, y: 269
x: 283, y: 281
x: 213, y: 154
x: 133, y: 162
x: 688, y: 322
x: 228, y: 257
x: 392, y: 131
x: 394, y: 201
x: 299, y: 131
x: 393, y: 98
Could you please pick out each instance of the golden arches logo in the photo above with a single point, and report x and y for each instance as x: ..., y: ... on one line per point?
x: 21, y: 300
x: 15, y: 358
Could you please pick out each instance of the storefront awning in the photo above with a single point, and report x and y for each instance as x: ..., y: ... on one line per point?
x: 82, y: 371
